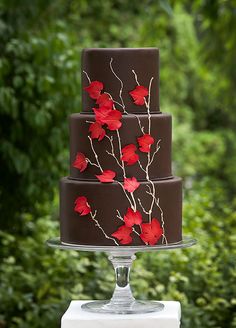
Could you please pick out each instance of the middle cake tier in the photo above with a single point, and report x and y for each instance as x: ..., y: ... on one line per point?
x: 80, y: 142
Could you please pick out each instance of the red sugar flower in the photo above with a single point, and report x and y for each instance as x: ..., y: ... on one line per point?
x: 151, y: 232
x: 82, y: 206
x: 80, y: 162
x: 97, y: 132
x: 138, y: 95
x: 112, y: 120
x: 131, y: 184
x: 110, y: 117
x: 104, y: 100
x: 94, y: 89
x: 106, y: 176
x: 123, y: 235
x: 132, y: 217
x: 128, y: 154
x: 101, y: 114
x: 145, y: 143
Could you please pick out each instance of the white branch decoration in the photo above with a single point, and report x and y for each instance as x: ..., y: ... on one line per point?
x: 112, y: 150
x: 156, y: 150
x: 147, y: 103
x: 91, y: 163
x: 121, y: 87
x: 126, y: 194
x: 95, y: 154
x: 135, y: 206
x: 87, y: 76
x: 119, y: 143
x: 162, y: 220
x: 153, y: 199
x: 141, y: 167
x: 139, y: 123
x: 116, y: 102
x: 136, y: 77
x: 93, y: 215
x: 141, y: 205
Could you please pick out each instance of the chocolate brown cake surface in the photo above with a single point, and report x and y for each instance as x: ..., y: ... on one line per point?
x: 120, y: 190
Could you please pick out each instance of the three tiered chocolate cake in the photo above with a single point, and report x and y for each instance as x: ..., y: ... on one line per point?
x: 120, y: 190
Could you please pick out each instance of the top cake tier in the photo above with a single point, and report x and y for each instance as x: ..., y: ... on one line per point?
x: 119, y: 70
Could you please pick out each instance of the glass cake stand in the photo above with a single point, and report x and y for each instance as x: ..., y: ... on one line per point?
x: 121, y: 257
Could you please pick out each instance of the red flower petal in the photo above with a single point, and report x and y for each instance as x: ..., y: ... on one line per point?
x: 111, y: 117
x: 131, y: 184
x: 106, y: 176
x: 145, y: 143
x: 97, y: 132
x: 151, y: 232
x: 82, y: 206
x: 138, y: 95
x: 101, y: 114
x: 123, y: 235
x: 104, y: 100
x: 128, y: 154
x: 113, y: 120
x: 131, y: 217
x: 94, y: 89
x: 80, y: 162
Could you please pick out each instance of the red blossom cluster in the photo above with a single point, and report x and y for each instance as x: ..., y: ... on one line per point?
x: 150, y: 232
x: 105, y: 113
x: 107, y: 116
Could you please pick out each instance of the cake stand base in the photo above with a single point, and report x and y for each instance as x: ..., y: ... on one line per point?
x: 129, y: 308
x: 122, y: 301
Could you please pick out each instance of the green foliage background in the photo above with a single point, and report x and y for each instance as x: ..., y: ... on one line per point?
x: 40, y: 44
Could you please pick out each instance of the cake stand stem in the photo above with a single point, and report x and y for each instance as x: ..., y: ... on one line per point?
x: 122, y: 301
x: 122, y: 295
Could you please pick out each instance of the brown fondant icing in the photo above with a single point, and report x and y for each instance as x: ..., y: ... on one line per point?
x: 79, y: 142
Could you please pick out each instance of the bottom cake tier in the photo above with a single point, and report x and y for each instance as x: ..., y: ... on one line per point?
x: 101, y: 211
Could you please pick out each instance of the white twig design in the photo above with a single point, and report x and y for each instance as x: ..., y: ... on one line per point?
x: 156, y: 150
x: 91, y: 163
x: 119, y: 143
x: 139, y: 123
x: 132, y: 196
x: 112, y: 153
x: 153, y: 199
x: 87, y: 76
x: 126, y: 194
x: 93, y: 215
x: 147, y: 103
x: 141, y: 167
x: 116, y: 102
x: 136, y: 77
x: 95, y: 154
x: 121, y: 87
x: 141, y: 205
